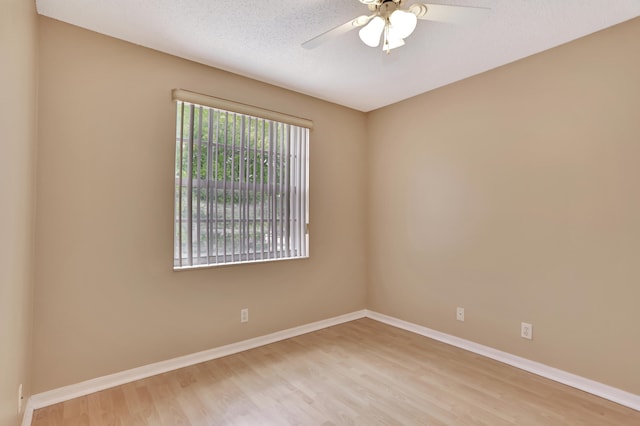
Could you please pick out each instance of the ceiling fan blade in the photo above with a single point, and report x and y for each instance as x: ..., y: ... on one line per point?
x: 449, y: 13
x: 337, y: 31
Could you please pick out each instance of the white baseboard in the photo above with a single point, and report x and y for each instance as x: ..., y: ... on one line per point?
x: 87, y: 387
x: 596, y: 388
x: 65, y: 393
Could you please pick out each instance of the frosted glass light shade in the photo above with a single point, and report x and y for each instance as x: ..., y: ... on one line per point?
x: 370, y: 33
x: 392, y: 40
x: 403, y: 23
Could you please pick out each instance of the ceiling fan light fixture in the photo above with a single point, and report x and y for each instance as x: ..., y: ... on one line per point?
x: 370, y: 33
x: 402, y: 23
x: 391, y: 23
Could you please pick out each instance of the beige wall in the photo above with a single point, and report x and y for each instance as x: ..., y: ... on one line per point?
x: 516, y: 195
x: 106, y: 296
x: 18, y: 31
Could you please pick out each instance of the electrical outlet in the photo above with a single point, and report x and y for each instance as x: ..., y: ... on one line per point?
x: 526, y: 330
x: 20, y: 397
x: 244, y: 315
x: 460, y: 314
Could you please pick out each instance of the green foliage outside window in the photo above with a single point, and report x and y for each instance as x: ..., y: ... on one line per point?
x: 218, y: 137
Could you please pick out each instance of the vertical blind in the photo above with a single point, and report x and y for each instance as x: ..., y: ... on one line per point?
x: 241, y: 188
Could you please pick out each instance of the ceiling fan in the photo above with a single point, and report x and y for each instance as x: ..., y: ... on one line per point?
x: 391, y: 23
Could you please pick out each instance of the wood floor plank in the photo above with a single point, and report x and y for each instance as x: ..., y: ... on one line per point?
x: 359, y: 373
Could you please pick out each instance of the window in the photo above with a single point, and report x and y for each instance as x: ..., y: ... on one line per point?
x: 241, y: 184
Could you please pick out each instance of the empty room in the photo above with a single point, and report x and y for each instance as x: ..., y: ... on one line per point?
x: 322, y: 212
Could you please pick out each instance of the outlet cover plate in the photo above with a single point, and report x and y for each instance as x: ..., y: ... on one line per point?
x: 526, y: 330
x: 20, y: 397
x: 460, y: 314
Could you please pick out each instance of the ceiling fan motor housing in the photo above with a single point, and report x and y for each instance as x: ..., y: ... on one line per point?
x: 383, y: 6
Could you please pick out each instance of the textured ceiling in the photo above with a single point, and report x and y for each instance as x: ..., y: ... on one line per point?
x: 262, y: 39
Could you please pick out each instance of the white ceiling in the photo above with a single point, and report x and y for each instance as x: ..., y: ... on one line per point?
x: 261, y: 39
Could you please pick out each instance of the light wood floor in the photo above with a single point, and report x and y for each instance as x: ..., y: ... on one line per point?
x: 358, y: 373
